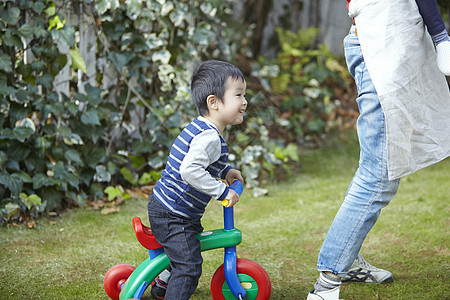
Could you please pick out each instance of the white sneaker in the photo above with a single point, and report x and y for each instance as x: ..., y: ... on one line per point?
x: 443, y: 57
x: 362, y: 271
x: 325, y: 295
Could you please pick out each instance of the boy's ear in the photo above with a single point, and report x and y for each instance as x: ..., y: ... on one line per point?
x: 211, y: 102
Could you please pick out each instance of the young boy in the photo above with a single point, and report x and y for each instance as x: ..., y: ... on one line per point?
x: 197, y: 159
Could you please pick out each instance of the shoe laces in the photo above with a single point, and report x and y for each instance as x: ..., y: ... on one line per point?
x: 362, y: 263
x: 160, y: 283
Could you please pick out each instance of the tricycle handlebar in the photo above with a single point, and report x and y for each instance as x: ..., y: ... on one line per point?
x: 238, y: 187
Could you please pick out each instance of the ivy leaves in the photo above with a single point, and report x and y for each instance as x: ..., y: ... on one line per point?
x: 48, y: 142
x: 57, y: 149
x: 10, y: 14
x: 12, y: 182
x: 5, y: 63
x: 61, y: 147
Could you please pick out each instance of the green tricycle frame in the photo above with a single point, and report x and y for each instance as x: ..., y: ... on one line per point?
x: 237, y: 278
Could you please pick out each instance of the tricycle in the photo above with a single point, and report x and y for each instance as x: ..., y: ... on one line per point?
x: 236, y: 278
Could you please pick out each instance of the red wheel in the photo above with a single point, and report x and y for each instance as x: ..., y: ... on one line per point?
x: 252, y: 276
x: 115, y: 277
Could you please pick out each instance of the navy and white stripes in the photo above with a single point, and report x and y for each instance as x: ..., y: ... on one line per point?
x: 173, y: 191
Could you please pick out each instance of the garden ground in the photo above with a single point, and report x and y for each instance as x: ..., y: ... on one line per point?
x: 67, y: 257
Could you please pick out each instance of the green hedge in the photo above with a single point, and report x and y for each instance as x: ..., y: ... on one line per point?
x: 58, y: 149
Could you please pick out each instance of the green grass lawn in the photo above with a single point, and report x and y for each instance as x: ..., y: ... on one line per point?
x: 282, y: 231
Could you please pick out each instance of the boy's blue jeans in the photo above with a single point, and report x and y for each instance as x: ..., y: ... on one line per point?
x: 370, y: 189
x: 178, y: 237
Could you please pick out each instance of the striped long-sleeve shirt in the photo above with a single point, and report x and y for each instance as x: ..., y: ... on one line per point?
x: 198, y: 157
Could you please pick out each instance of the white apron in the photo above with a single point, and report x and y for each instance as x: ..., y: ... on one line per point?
x: 401, y: 59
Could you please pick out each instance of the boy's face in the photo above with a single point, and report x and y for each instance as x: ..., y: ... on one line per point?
x: 233, y: 105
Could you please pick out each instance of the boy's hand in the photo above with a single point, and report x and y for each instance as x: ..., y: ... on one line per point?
x: 232, y: 197
x: 232, y: 175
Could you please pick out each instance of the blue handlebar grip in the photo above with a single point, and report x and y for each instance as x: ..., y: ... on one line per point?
x: 237, y: 186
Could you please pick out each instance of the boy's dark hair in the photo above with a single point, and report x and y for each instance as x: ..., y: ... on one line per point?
x: 210, y: 79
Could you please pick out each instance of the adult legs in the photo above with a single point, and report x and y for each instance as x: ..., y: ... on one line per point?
x: 370, y: 189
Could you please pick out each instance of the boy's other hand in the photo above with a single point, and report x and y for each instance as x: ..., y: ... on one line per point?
x: 232, y: 175
x: 232, y: 198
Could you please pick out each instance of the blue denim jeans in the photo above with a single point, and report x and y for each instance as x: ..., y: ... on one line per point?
x: 370, y: 189
x: 178, y: 237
